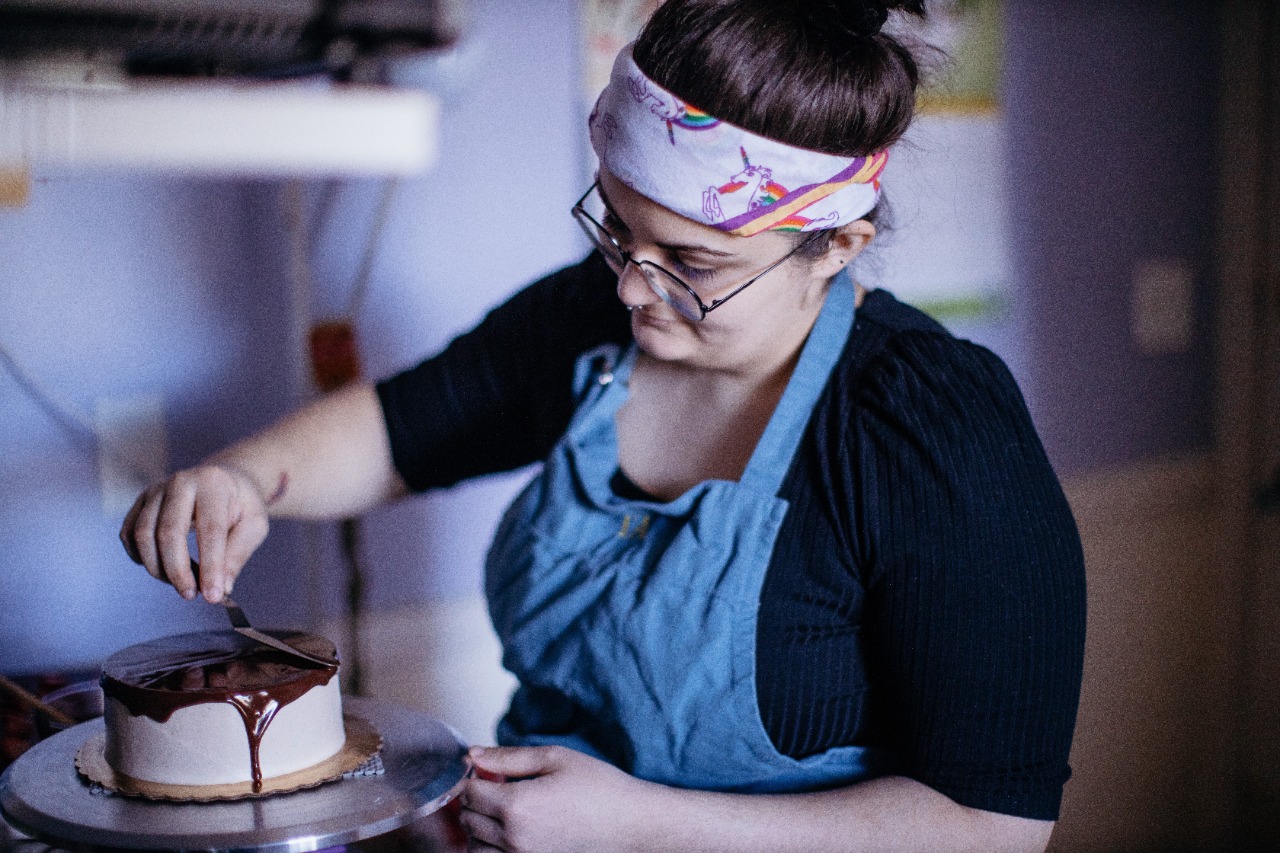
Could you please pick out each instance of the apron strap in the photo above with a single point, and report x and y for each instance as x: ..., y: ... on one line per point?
x: 772, y: 457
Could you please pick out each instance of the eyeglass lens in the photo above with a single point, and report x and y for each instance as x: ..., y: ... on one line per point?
x: 664, y: 285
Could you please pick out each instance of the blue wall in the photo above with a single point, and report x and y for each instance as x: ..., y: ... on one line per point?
x: 112, y: 286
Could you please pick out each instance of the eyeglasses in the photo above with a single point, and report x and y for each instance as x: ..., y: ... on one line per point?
x: 666, y: 285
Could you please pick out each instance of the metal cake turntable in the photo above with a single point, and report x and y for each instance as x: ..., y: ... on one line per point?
x: 424, y: 761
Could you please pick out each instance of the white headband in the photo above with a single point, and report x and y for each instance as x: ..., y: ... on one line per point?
x: 715, y: 173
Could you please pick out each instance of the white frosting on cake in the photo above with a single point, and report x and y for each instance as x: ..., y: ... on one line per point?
x: 188, y: 709
x: 207, y: 744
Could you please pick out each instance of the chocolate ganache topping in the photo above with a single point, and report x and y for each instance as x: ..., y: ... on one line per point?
x: 156, y: 678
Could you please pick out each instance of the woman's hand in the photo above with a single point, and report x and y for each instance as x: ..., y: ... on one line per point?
x: 562, y: 801
x: 328, y: 460
x: 558, y: 800
x: 226, y: 510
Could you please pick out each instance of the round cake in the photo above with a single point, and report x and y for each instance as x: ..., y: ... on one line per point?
x: 216, y: 708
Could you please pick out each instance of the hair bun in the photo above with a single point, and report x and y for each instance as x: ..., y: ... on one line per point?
x: 862, y: 18
x: 867, y: 17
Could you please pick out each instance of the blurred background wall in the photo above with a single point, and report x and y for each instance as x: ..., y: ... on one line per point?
x: 116, y: 287
x: 1112, y: 168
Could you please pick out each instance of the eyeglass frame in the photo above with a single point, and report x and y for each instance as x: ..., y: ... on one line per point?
x: 579, y: 213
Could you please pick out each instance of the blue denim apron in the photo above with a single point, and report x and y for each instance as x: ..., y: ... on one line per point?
x: 631, y: 625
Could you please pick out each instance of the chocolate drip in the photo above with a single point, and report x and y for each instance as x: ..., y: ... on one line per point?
x: 257, y: 710
x: 156, y: 678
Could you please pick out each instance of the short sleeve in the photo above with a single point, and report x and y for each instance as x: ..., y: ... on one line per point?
x: 498, y: 397
x: 974, y: 574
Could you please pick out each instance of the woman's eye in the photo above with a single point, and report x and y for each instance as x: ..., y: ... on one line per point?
x: 615, y: 227
x: 694, y: 273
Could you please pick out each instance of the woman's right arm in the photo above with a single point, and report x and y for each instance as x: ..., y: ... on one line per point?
x: 330, y: 459
x: 497, y: 398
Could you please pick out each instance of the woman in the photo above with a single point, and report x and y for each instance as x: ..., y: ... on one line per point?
x: 796, y: 573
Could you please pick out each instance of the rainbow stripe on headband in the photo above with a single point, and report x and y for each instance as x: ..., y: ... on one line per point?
x: 718, y: 174
x: 782, y: 212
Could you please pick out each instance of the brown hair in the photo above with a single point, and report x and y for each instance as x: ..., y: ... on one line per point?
x: 817, y: 74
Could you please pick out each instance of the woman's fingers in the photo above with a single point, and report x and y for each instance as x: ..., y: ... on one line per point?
x: 215, y: 511
x: 244, y: 537
x: 485, y: 798
x: 177, y: 511
x: 518, y: 761
x: 126, y: 529
x: 211, y: 526
x: 228, y: 518
x: 560, y: 799
x: 482, y: 828
x: 231, y: 521
x: 143, y: 534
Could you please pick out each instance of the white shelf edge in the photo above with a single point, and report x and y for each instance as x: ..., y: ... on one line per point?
x: 235, y: 129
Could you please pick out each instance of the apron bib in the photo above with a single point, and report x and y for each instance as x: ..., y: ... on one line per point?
x: 631, y: 625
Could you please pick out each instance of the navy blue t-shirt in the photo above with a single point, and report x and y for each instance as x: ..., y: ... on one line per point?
x: 926, y: 591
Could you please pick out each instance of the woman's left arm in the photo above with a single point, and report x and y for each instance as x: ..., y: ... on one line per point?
x: 567, y: 802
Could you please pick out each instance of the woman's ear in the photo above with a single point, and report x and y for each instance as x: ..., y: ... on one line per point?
x: 847, y: 243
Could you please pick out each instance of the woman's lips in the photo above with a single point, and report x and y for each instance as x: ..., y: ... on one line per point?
x: 643, y: 317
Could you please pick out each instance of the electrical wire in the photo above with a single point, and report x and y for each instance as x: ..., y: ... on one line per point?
x: 304, y: 237
x: 300, y: 287
x: 78, y: 426
x: 361, y: 285
x: 351, y: 528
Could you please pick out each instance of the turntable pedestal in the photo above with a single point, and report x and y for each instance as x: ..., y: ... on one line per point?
x: 42, y: 795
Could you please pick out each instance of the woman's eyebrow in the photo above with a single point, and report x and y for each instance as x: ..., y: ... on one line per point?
x: 670, y: 247
x: 702, y: 250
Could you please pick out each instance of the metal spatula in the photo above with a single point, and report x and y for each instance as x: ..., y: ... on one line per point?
x: 240, y: 623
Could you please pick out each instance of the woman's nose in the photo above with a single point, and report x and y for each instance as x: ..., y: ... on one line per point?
x: 633, y: 287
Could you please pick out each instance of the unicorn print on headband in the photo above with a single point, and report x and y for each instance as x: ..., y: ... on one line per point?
x: 669, y: 108
x: 763, y: 191
x: 699, y: 166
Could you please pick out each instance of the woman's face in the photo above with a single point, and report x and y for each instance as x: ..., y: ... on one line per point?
x: 773, y: 314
